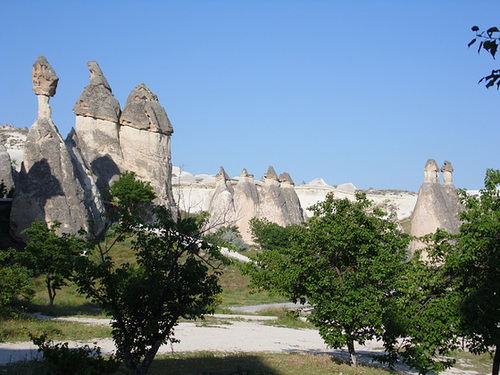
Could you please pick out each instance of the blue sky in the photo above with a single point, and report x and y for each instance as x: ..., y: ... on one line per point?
x: 349, y: 91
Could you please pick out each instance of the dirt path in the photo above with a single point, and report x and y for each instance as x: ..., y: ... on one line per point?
x: 225, y: 335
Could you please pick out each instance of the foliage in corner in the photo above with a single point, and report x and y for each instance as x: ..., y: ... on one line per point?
x: 228, y: 237
x: 488, y: 41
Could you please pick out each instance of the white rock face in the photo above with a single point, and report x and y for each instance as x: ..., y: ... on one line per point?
x: 5, y: 168
x: 246, y: 202
x: 222, y: 210
x: 149, y: 155
x: 14, y: 139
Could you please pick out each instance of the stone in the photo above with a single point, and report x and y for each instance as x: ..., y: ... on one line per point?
x: 285, y: 179
x: 48, y: 188
x: 6, y: 169
x: 44, y: 78
x: 221, y: 208
x: 294, y: 212
x: 273, y: 205
x: 447, y: 170
x: 437, y: 206
x: 144, y: 135
x: 270, y: 177
x: 143, y: 111
x: 431, y: 172
x: 97, y: 100
x: 246, y: 204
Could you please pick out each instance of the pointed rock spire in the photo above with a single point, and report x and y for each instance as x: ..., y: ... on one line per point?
x: 44, y: 78
x: 97, y: 100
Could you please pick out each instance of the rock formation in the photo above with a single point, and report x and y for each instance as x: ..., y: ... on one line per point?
x: 97, y: 114
x: 246, y: 204
x: 437, y: 205
x: 136, y: 139
x: 145, y: 132
x: 48, y: 188
x: 221, y: 209
x: 292, y: 202
x: 276, y: 203
x: 6, y: 169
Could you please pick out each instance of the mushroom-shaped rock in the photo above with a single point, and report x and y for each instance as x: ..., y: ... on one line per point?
x: 44, y: 78
x: 143, y: 111
x: 431, y: 172
x: 97, y: 100
x: 447, y: 170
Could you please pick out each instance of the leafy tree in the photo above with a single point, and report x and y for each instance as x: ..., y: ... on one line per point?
x: 488, y: 41
x: 421, y: 318
x: 50, y: 254
x: 174, y: 275
x: 474, y: 264
x: 269, y: 235
x: 14, y: 281
x: 345, y: 261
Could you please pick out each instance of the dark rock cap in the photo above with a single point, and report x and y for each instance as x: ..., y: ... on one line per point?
x: 447, y: 167
x: 285, y: 177
x: 97, y: 100
x: 222, y: 175
x: 270, y: 174
x: 143, y: 111
x: 44, y: 78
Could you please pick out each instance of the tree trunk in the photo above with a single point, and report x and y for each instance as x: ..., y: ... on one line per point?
x: 352, y: 353
x: 148, y: 359
x: 52, y: 294
x: 496, y: 361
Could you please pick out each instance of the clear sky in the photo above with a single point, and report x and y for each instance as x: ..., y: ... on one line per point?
x: 349, y: 91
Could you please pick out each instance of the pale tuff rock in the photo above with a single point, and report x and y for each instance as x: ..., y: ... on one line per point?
x: 145, y: 142
x: 447, y: 170
x: 292, y: 203
x: 280, y: 205
x: 13, y: 139
x: 97, y: 114
x: 97, y: 100
x: 48, y: 188
x: 44, y: 78
x: 143, y: 111
x: 246, y: 203
x: 5, y: 168
x: 437, y: 206
x: 431, y: 172
x: 222, y: 210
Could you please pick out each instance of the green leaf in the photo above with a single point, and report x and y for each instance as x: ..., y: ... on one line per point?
x: 475, y: 28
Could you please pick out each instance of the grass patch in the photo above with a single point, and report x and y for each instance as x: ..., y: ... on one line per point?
x: 255, y: 363
x: 19, y: 329
x: 468, y: 361
x: 286, y: 318
x: 236, y: 290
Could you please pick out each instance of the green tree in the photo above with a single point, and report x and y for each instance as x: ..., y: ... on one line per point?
x: 174, y: 275
x: 474, y: 264
x: 488, y: 41
x: 50, y: 254
x: 14, y: 281
x: 345, y: 261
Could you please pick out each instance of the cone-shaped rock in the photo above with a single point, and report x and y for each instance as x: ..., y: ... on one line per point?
x: 97, y: 100
x: 44, y: 78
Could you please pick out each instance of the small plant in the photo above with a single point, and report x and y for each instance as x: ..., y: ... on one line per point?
x: 60, y: 359
x: 228, y: 237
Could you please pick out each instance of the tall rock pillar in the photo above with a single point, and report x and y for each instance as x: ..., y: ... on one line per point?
x: 48, y: 188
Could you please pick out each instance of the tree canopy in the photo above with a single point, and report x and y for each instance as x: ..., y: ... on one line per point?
x: 344, y: 261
